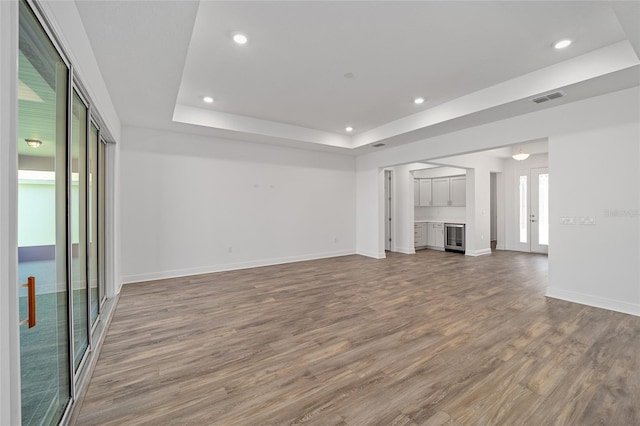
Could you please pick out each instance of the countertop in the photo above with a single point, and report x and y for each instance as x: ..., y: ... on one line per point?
x: 440, y: 220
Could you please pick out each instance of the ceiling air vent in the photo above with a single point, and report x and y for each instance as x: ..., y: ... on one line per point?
x: 549, y: 97
x: 377, y: 145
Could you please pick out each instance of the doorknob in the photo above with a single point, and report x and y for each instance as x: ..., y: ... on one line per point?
x: 31, y: 302
x: 532, y: 220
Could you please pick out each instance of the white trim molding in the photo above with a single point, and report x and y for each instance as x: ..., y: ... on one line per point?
x: 128, y: 279
x: 405, y: 250
x: 595, y: 301
x: 481, y: 252
x: 9, y: 328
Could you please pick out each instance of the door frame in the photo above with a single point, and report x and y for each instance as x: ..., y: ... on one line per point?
x: 388, y: 210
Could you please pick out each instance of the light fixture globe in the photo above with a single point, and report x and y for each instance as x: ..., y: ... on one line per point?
x: 33, y: 143
x: 520, y: 156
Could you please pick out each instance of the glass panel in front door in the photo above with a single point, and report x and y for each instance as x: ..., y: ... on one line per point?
x: 543, y: 209
x: 42, y: 224
x: 523, y: 209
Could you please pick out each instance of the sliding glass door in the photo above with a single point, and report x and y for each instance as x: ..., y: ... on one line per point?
x: 61, y: 224
x: 42, y: 224
x: 92, y: 225
x: 79, y: 229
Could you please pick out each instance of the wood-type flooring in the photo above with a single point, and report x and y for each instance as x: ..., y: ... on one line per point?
x: 427, y: 339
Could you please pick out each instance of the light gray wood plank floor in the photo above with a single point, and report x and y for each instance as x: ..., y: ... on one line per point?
x: 432, y: 339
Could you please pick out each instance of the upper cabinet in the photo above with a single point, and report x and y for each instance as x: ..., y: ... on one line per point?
x: 449, y: 191
x: 422, y: 192
x: 458, y: 191
x: 440, y: 194
x: 425, y: 192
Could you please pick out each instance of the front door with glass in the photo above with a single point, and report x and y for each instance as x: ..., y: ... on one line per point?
x: 533, y: 210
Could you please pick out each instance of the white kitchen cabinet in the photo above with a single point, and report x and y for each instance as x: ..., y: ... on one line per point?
x: 449, y: 191
x: 438, y: 235
x: 458, y: 191
x: 435, y: 235
x: 416, y: 192
x: 440, y: 192
x: 425, y: 192
x: 420, y: 234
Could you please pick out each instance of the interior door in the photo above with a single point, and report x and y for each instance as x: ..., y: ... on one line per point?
x: 42, y: 225
x: 533, y: 210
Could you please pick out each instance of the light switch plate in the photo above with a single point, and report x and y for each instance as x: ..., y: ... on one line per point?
x: 565, y: 220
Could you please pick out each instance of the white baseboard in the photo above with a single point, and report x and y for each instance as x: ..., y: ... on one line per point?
x: 595, y: 301
x: 481, y: 252
x: 128, y: 279
x: 405, y: 250
x: 374, y: 255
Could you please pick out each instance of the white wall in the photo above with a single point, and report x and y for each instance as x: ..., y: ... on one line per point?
x: 369, y: 213
x: 436, y: 172
x: 597, y: 265
x: 403, y: 238
x: 588, y: 117
x: 457, y: 213
x: 192, y: 204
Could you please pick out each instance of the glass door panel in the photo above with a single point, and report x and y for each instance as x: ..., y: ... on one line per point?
x: 42, y: 224
x: 93, y: 222
x: 79, y: 229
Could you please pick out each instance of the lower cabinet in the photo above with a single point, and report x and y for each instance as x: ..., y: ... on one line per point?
x: 435, y: 235
x: 420, y: 234
x: 429, y: 234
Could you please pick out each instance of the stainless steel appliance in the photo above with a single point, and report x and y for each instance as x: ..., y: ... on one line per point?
x: 454, y: 237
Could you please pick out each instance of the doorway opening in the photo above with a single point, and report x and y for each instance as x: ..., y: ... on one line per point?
x: 387, y: 209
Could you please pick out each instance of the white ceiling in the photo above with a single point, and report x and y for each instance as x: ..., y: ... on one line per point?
x: 473, y: 62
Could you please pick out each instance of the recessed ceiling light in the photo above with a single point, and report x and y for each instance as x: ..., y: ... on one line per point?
x: 240, y: 38
x: 208, y: 99
x: 418, y: 101
x: 349, y: 129
x: 562, y: 44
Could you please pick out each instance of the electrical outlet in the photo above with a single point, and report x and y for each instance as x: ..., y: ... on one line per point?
x: 565, y: 220
x: 587, y: 221
x: 230, y: 249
